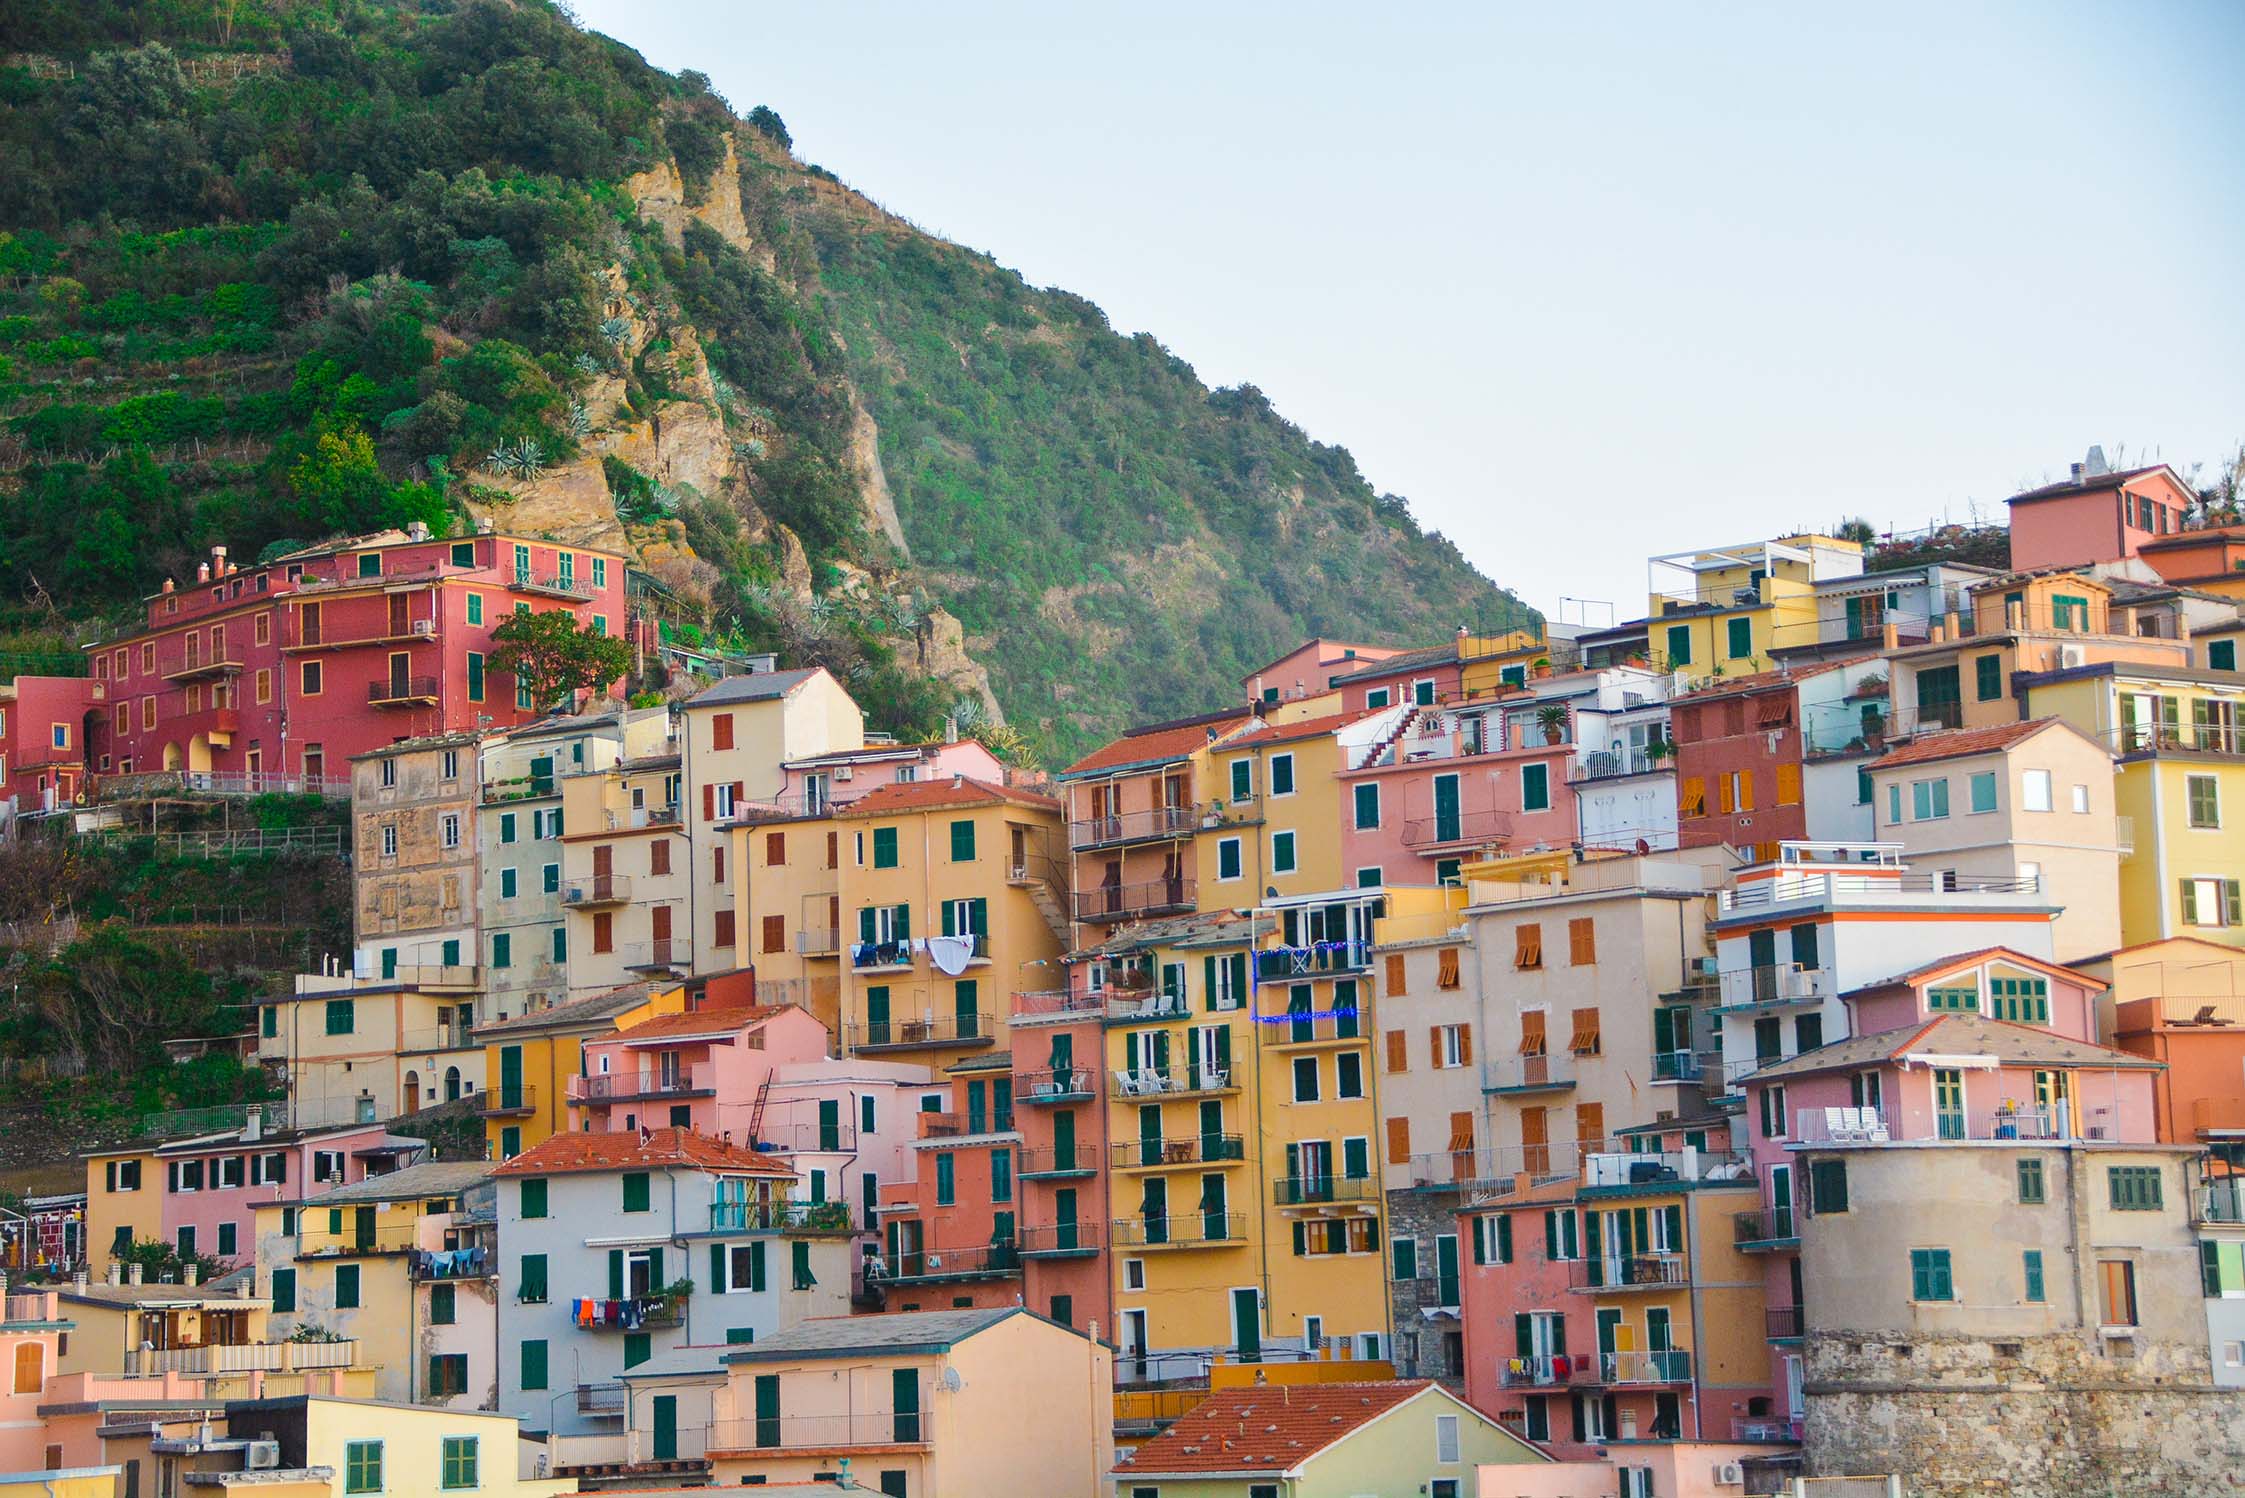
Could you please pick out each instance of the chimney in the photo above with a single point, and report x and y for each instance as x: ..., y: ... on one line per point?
x: 134, y: 1273
x: 950, y: 730
x: 2078, y: 470
x: 116, y: 1273
x: 168, y: 585
x: 202, y: 572
x: 189, y: 1274
x: 218, y: 562
x: 417, y: 531
x: 253, y: 1123
x: 79, y: 1279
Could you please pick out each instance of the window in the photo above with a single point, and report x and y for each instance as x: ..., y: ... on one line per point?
x: 502, y: 949
x: 1422, y: 693
x: 390, y: 841
x: 1983, y: 790
x: 962, y: 841
x: 346, y: 1287
x: 449, y: 829
x: 1001, y: 1175
x: 2030, y: 1181
x: 2221, y: 655
x: 1348, y: 1075
x: 2204, y: 796
x: 1367, y: 798
x: 1535, y: 787
x: 362, y: 1467
x: 2031, y: 1262
x: 448, y: 1372
x: 1929, y: 800
x: 1305, y: 1079
x: 1964, y: 999
x: 2210, y: 902
x: 1929, y: 1275
x: 2068, y: 613
x: 1227, y: 859
x: 309, y: 680
x: 1773, y: 1113
x: 1377, y: 697
x: 1582, y: 942
x: 1243, y: 779
x: 2035, y: 791
x: 884, y: 847
x: 1527, y: 946
x: 533, y: 1288
x: 440, y: 1305
x: 340, y: 1017
x: 637, y: 1197
x: 1282, y: 852
x: 506, y: 827
x: 1282, y: 774
x: 2116, y: 1281
x: 721, y: 731
x: 2134, y: 1188
x: 1446, y: 1439
x: 1739, y: 638
x: 1827, y: 1186
x: 460, y: 1461
x: 1403, y: 1260
x: 1679, y: 645
x: 284, y: 1290
x: 946, y: 1180
x: 1987, y: 677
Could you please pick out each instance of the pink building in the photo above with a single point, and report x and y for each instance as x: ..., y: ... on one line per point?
x: 2095, y: 515
x: 1308, y: 669
x: 45, y: 722
x: 950, y: 1232
x: 818, y: 783
x: 210, y: 1184
x: 30, y: 1343
x: 1505, y: 1281
x: 282, y: 672
x: 1420, y: 678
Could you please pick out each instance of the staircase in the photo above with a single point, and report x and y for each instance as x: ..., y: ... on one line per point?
x: 1378, y: 751
x: 756, y: 1114
x: 1035, y: 877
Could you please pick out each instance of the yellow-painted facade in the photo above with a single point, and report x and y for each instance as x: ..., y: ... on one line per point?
x: 530, y: 1060
x: 356, y: 1051
x: 124, y: 1202
x: 415, y: 1445
x: 1726, y: 610
x: 1281, y: 824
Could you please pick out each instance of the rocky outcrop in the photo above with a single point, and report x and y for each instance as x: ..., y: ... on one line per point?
x: 660, y: 194
x: 942, y: 645
x: 864, y: 455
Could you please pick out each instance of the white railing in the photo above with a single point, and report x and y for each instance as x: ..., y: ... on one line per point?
x: 240, y: 1357
x: 1776, y: 983
x: 1799, y: 889
x: 1630, y: 1168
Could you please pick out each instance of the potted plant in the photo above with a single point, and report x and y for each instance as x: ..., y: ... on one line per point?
x: 1552, y: 719
x: 1542, y: 667
x: 1659, y: 750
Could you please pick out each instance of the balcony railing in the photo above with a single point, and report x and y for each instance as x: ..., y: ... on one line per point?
x: 600, y: 1399
x: 658, y: 1312
x: 1676, y: 1066
x: 439, y: 1038
x: 1669, y: 1366
x: 1776, y: 986
x: 621, y: 1087
x: 1608, y: 764
x: 819, y: 942
x: 1316, y: 960
x: 1142, y: 1005
x: 240, y: 1357
x: 1817, y: 889
x: 1057, y: 1002
x: 397, y: 691
x: 1466, y: 829
x: 1316, y: 1191
x: 973, y: 1028
x: 1556, y: 1370
x: 853, y: 1431
x: 1059, y: 1240
x: 2221, y: 1201
x: 795, y: 1219
x: 420, y: 974
x: 1121, y: 902
x: 658, y: 955
x: 1529, y: 1073
x: 637, y: 1447
x: 1133, y: 826
x: 1044, y: 1162
x: 1182, y: 1230
x: 1055, y: 1084
x: 1173, y: 1081
x: 506, y: 1098
x: 383, y: 1238
x: 1190, y: 1149
x: 601, y: 889
x: 935, y: 1265
x: 1759, y: 1232
x: 807, y: 1136
x: 1783, y: 1323
x: 1650, y: 1271
x: 551, y: 584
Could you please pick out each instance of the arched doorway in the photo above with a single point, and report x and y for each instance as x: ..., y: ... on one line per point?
x: 198, y: 754
x: 410, y: 1100
x: 452, y: 1084
x: 172, y: 757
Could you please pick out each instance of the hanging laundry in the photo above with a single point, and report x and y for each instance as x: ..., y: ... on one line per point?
x: 950, y: 954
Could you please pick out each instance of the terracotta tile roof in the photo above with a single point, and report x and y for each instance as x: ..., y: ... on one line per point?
x: 1307, y: 728
x: 1956, y: 1035
x: 1960, y: 741
x: 701, y: 1022
x: 2084, y: 485
x: 1164, y: 741
x: 594, y: 1009
x: 635, y: 1149
x: 1270, y: 1428
x: 896, y: 798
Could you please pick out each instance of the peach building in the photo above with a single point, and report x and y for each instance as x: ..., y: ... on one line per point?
x: 2097, y: 514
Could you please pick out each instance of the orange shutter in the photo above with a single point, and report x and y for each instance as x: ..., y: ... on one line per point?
x: 721, y: 731
x: 1531, y: 1033
x: 775, y: 933
x: 1395, y: 972
x: 1527, y: 946
x: 775, y: 848
x: 1399, y: 1141
x: 1584, y: 1039
x: 1582, y: 942
x: 1461, y: 1131
x: 1746, y: 790
x: 603, y: 931
x: 1465, y: 1045
x: 1535, y: 1153
x: 1590, y: 1126
x: 1447, y: 976
x: 1399, y: 1050
x: 1434, y: 1046
x: 1693, y: 801
x: 1724, y: 803
x: 1788, y: 785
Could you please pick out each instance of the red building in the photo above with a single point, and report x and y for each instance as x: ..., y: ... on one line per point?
x: 2096, y: 515
x: 278, y: 674
x: 1738, y: 763
x: 44, y: 725
x: 1060, y: 1112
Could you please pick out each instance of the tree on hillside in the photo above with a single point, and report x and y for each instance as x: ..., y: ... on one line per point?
x: 553, y: 655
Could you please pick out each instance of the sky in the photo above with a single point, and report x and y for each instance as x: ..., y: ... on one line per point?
x: 1586, y: 283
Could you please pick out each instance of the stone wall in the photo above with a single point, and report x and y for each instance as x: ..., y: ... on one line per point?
x: 2041, y: 1417
x: 1420, y: 1338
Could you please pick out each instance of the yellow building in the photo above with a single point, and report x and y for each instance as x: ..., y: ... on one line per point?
x: 393, y: 1263
x: 530, y: 1059
x: 2179, y: 788
x: 353, y: 1050
x: 64, y: 1482
x: 1724, y: 610
x: 1280, y: 828
x: 1489, y: 664
x: 940, y: 920
x: 361, y: 1446
x: 626, y: 876
x: 124, y: 1201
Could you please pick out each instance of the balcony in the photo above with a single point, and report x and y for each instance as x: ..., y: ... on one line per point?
x: 426, y: 976
x: 936, y: 1266
x: 387, y: 1238
x: 507, y: 1100
x: 858, y: 1430
x: 1607, y: 764
x: 1156, y: 824
x: 240, y: 1357
x: 1319, y: 959
x: 1641, y: 1369
x: 1783, y: 985
x: 1556, y: 1370
x: 1058, y: 1003
x: 1322, y: 1191
x: 1192, y: 1150
x: 604, y: 1400
x: 439, y: 1038
x: 1891, y: 885
x: 550, y: 585
x: 1174, y: 1081
x: 1128, y: 902
x: 600, y: 890
x: 518, y: 788
x: 1467, y: 829
x: 791, y: 1219
x: 1046, y: 1163
x: 1676, y: 1066
x: 807, y: 1136
x: 818, y: 943
x: 1060, y: 1240
x: 639, y: 1312
x: 2211, y: 1116
x: 230, y: 664
x: 2219, y: 1203
x: 1184, y: 1230
x: 664, y: 954
x: 675, y: 1450
x: 1332, y: 1027
x: 637, y: 818
x: 1054, y: 1085
x: 626, y: 1087
x: 402, y: 691
x: 1635, y: 1171
x: 972, y: 1029
x: 1518, y: 1075
x: 1783, y: 1323
x: 1612, y: 1274
x: 473, y: 1262
x: 1132, y: 1006
x: 1766, y: 1232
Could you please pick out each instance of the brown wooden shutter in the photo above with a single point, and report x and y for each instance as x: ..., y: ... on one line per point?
x: 723, y: 935
x: 1532, y: 1038
x: 1746, y: 790
x: 721, y: 731
x: 775, y: 933
x: 717, y: 864
x: 603, y: 931
x: 775, y: 849
x: 1434, y: 1046
x: 1693, y: 801
x: 658, y: 855
x: 1399, y: 1141
x: 709, y: 803
x: 1590, y: 1126
x: 833, y: 849
x: 1725, y: 803
x: 1395, y: 972
x: 1527, y: 946
x: 1399, y: 1050
x: 1446, y: 975
x: 1465, y: 1045
x: 1535, y: 1141
x: 1461, y: 1131
x: 1583, y: 1041
x: 1788, y: 785
x: 1582, y: 942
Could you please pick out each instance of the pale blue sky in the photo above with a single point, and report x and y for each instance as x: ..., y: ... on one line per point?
x: 1586, y: 282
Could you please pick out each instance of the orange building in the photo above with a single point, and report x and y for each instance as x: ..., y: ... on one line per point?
x: 2182, y: 1002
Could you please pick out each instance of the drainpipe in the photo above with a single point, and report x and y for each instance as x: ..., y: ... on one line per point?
x: 2159, y: 846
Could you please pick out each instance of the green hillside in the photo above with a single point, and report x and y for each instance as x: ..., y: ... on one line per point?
x: 275, y: 269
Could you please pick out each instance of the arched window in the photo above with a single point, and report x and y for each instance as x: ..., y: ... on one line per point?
x: 411, y: 1102
x: 452, y: 1084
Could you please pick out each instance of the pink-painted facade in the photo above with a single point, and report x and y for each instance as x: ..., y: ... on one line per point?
x: 281, y: 673
x: 29, y: 1347
x: 1306, y: 670
x: 2096, y: 517
x: 813, y: 785
x: 45, y: 722
x: 1419, y: 677
x: 1504, y: 1275
x: 1060, y: 1098
x: 211, y: 1184
x: 950, y: 1233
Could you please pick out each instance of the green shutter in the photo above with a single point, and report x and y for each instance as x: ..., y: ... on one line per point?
x: 1504, y: 1237
x: 884, y: 847
x: 534, y: 1364
x: 346, y: 1287
x: 534, y: 1278
x: 534, y: 1198
x: 638, y: 1348
x: 284, y: 1290
x: 962, y: 842
x: 615, y: 1274
x: 636, y: 1192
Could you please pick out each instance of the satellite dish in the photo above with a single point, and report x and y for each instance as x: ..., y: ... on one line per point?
x: 952, y: 1383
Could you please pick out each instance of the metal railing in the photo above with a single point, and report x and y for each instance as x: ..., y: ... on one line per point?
x: 807, y: 1136
x: 617, y: 1087
x: 401, y: 689
x: 1139, y: 1005
x: 1188, y: 1149
x: 817, y: 942
x: 1608, y: 764
x: 420, y: 974
x: 1053, y: 1240
x: 439, y: 1038
x: 1528, y: 1073
x: 1782, y: 1323
x: 516, y: 1097
x: 1181, y: 1230
x: 1042, y: 1002
x: 1130, y: 826
x: 1284, y: 1029
x: 382, y: 1238
x: 974, y: 1028
x: 552, y: 584
x: 1173, y: 1081
x: 1775, y: 985
x: 1312, y: 1191
x: 240, y: 1357
x: 1667, y: 1366
x: 795, y: 1219
x: 2220, y: 1201
x: 1115, y: 902
x: 1318, y: 959
x: 1752, y: 1231
x: 1548, y: 1371
x: 854, y: 1430
x: 1464, y: 828
x: 1791, y: 889
x: 1643, y: 1271
x: 932, y: 1265
x: 665, y: 952
x: 601, y: 889
x: 1055, y: 1084
x: 1038, y: 1161
x: 1676, y: 1066
x: 600, y: 1399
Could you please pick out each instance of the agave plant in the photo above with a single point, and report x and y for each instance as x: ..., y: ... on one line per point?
x: 524, y: 460
x: 750, y: 447
x: 585, y: 364
x: 616, y: 330
x: 580, y: 420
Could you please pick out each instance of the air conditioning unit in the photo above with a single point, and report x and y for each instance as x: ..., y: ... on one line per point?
x: 2070, y: 656
x: 424, y: 626
x: 264, y: 1456
x: 844, y: 772
x: 1729, y: 1475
